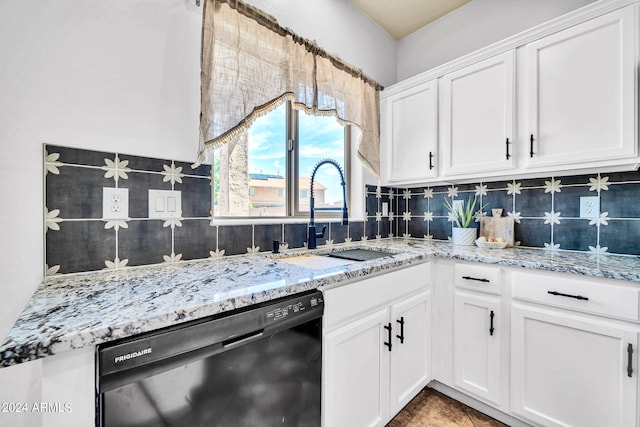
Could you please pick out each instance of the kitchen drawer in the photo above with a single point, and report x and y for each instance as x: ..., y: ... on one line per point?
x: 480, y: 278
x: 353, y: 299
x: 603, y: 297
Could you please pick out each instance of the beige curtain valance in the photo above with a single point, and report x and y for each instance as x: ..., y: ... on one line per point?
x: 250, y: 65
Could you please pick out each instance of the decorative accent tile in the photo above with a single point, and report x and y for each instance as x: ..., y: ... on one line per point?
x: 436, y: 205
x: 621, y: 236
x: 265, y: 234
x: 440, y: 228
x: 575, y: 235
x: 621, y: 201
x: 418, y: 228
x: 196, y: 197
x: 533, y: 202
x: 195, y: 239
x: 372, y: 229
x: 356, y: 230
x: 234, y: 239
x: 77, y: 191
x: 339, y: 232
x: 144, y: 242
x: 295, y: 234
x: 532, y: 233
x: 80, y: 246
x: 418, y: 204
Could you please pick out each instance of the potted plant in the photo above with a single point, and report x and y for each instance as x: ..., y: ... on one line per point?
x: 463, y: 217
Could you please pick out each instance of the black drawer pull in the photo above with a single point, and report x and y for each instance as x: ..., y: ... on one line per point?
x: 630, y: 360
x: 560, y: 294
x: 476, y: 279
x: 401, y: 336
x: 430, y: 160
x: 388, y: 328
x: 491, y: 328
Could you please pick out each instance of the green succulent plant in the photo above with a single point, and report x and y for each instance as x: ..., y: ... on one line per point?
x: 466, y: 214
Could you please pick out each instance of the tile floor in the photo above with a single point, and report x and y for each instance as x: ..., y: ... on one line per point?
x: 433, y: 409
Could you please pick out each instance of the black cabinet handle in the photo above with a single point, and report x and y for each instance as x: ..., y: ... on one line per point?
x: 388, y: 328
x: 630, y: 360
x: 491, y: 328
x: 531, y: 153
x: 507, y: 147
x: 560, y: 294
x: 476, y: 279
x: 430, y: 160
x: 401, y: 336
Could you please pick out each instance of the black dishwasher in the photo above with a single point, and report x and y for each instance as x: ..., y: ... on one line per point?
x: 257, y: 367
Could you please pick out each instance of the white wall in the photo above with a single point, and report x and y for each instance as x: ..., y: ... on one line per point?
x: 477, y: 24
x: 115, y: 76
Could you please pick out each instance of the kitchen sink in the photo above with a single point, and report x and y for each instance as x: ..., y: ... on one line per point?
x: 335, y: 258
x: 318, y: 262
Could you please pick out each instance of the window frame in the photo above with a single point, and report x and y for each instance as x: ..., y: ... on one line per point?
x: 292, y: 182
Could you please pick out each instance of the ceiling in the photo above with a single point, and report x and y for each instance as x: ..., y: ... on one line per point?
x: 402, y: 17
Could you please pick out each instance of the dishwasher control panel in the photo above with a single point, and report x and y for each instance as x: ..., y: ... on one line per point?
x: 292, y: 308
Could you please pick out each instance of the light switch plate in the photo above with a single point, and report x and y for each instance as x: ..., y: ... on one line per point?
x: 589, y: 207
x: 115, y: 203
x: 164, y: 204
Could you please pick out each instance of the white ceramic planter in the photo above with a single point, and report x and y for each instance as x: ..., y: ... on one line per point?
x: 464, y: 236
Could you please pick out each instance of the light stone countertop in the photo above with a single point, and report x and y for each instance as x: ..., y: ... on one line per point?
x: 80, y: 310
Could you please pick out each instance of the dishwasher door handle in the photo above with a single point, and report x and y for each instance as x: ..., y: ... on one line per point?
x: 242, y: 339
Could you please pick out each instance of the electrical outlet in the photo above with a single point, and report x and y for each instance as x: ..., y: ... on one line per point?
x: 589, y: 207
x: 165, y: 204
x: 115, y: 203
x: 385, y: 208
x: 458, y: 205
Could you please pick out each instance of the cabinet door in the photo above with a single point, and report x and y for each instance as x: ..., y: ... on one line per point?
x: 476, y: 345
x: 410, y: 134
x: 571, y: 371
x: 410, y: 354
x: 478, y: 117
x: 356, y: 373
x: 581, y: 92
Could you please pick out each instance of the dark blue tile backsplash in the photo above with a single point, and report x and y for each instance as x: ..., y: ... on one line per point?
x: 546, y: 212
x: 77, y: 239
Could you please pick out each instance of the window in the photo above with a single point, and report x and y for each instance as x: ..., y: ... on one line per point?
x: 265, y: 176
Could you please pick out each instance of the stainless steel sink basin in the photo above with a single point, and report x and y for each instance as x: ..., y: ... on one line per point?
x: 335, y: 258
x: 360, y: 254
x: 318, y: 262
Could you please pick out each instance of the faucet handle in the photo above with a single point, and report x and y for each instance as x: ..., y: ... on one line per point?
x: 321, y: 233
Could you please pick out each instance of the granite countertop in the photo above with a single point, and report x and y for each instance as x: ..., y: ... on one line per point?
x: 81, y: 310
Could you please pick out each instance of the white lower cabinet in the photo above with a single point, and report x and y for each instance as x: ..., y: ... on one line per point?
x: 376, y: 357
x: 410, y: 353
x: 571, y: 370
x: 357, y: 373
x: 477, y: 345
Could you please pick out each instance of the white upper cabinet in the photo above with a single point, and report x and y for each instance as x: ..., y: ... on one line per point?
x: 478, y: 117
x: 409, y: 133
x: 581, y: 92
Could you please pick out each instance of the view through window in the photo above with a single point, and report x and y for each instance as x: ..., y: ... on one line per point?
x: 255, y: 177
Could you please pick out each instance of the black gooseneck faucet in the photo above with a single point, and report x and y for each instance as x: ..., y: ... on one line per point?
x: 313, y: 234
